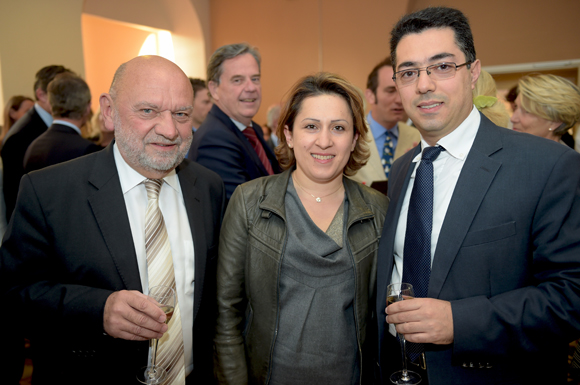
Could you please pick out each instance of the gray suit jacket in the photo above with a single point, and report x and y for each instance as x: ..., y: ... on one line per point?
x: 508, y: 259
x: 69, y: 246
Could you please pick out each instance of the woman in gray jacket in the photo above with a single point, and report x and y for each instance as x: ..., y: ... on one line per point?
x: 297, y: 253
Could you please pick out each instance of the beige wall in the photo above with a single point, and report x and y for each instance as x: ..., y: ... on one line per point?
x: 33, y: 35
x: 520, y: 31
x: 127, y: 23
x: 349, y: 37
x: 102, y: 60
x: 36, y: 33
x: 177, y: 16
x: 295, y: 37
x: 299, y: 37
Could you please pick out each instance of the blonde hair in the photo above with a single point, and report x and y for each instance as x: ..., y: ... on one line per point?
x: 496, y: 112
x: 552, y: 98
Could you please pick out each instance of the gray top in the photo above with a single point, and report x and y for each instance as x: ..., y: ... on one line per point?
x: 316, y: 341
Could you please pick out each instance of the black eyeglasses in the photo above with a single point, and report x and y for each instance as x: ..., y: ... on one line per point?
x: 439, y: 71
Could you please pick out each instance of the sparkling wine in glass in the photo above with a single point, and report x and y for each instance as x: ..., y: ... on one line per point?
x: 152, y: 374
x: 398, y: 292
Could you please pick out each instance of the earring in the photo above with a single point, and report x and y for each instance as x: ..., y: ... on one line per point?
x: 550, y: 129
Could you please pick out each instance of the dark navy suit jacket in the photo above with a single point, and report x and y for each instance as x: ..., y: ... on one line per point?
x: 507, y: 258
x: 220, y: 146
x: 14, y: 146
x: 58, y: 144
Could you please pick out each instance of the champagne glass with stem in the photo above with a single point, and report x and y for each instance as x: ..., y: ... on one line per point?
x: 164, y: 297
x: 398, y: 292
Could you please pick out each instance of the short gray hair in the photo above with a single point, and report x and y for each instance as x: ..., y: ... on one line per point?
x: 69, y: 96
x: 226, y: 52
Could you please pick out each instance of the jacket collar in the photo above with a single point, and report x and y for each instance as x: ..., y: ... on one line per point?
x: 275, y: 189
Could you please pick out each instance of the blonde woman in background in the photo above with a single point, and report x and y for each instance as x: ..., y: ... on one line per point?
x: 95, y: 131
x: 547, y: 106
x: 103, y: 135
x: 485, y: 99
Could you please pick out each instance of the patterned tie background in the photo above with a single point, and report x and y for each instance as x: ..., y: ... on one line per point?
x: 387, y: 157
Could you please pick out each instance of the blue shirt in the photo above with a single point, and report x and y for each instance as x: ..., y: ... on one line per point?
x: 45, y: 116
x: 380, y: 134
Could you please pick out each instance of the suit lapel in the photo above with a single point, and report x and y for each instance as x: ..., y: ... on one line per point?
x: 476, y: 176
x: 397, y: 187
x: 110, y: 212
x: 191, y: 194
x: 398, y: 183
x: 242, y: 138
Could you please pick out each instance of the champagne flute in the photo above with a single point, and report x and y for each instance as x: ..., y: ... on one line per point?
x: 164, y: 297
x: 398, y: 292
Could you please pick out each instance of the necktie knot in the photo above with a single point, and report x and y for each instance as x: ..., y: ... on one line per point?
x: 431, y: 153
x: 250, y: 133
x: 153, y: 186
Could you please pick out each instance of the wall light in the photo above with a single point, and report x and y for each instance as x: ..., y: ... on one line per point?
x: 159, y: 43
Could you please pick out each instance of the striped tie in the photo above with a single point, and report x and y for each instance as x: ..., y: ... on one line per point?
x: 252, y: 137
x: 170, y: 353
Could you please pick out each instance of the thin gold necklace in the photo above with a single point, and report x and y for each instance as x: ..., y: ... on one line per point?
x: 318, y: 199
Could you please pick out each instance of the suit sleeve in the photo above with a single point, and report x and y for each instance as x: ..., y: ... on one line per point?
x: 546, y: 310
x: 231, y: 296
x: 12, y: 159
x: 32, y: 272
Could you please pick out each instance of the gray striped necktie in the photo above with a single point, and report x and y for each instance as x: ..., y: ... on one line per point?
x: 170, y: 353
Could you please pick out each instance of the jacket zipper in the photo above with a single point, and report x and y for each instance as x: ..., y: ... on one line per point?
x: 271, y: 357
x: 356, y: 320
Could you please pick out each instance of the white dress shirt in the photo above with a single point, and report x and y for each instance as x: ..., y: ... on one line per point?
x: 240, y: 126
x: 446, y: 170
x: 68, y: 124
x: 172, y: 207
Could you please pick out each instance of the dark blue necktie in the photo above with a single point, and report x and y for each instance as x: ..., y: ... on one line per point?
x: 417, y: 252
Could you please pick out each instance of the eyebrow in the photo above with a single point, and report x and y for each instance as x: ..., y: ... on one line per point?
x: 146, y: 104
x: 434, y: 58
x: 332, y: 121
x: 239, y: 76
x: 156, y: 107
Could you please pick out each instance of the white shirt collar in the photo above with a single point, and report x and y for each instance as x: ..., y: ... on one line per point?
x: 239, y: 125
x: 68, y: 124
x: 459, y: 141
x: 44, y: 115
x: 130, y: 178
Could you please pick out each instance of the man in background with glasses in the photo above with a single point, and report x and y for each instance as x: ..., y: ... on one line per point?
x: 484, y: 222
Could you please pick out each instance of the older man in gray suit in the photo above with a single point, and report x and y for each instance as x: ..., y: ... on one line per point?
x: 484, y: 222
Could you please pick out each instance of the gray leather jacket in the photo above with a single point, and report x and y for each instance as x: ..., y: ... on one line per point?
x: 252, y: 243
